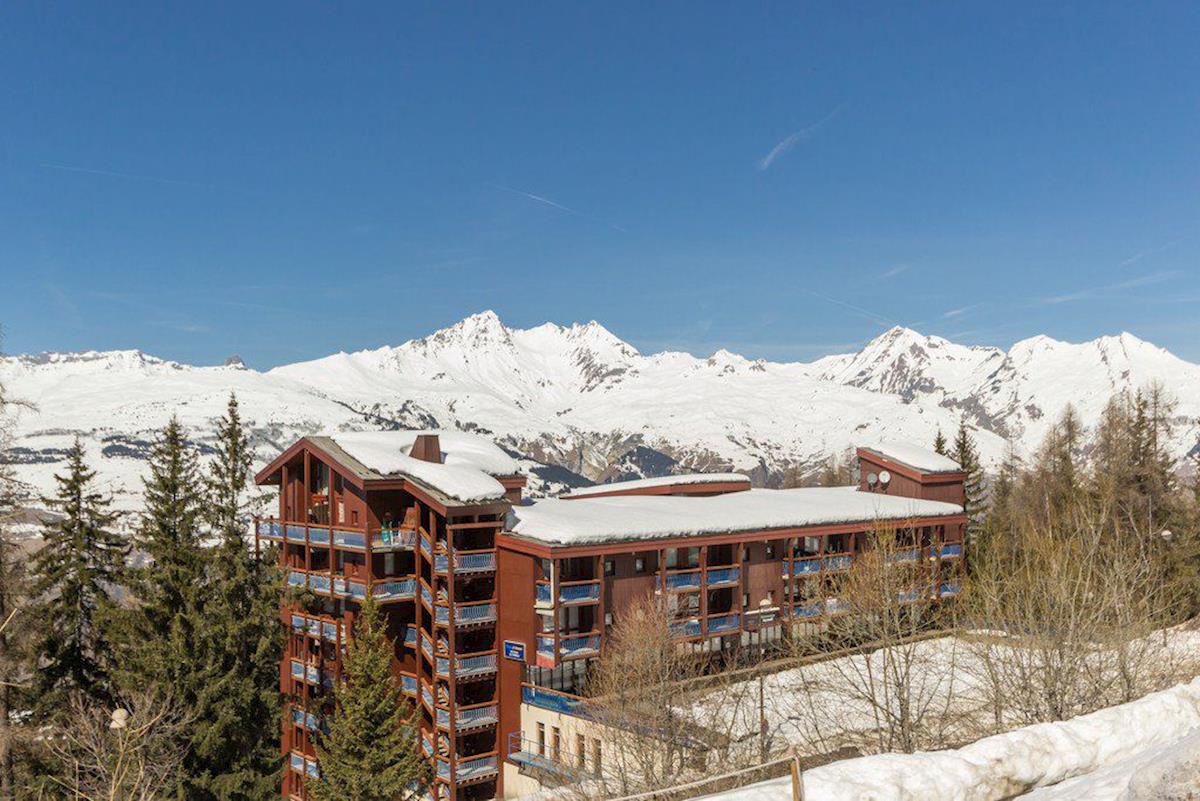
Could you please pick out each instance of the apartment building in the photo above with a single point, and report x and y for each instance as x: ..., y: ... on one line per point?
x: 498, y: 606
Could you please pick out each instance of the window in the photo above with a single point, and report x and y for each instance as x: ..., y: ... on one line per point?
x: 354, y: 517
x: 389, y: 564
x: 341, y: 511
x: 745, y: 600
x: 639, y: 564
x: 770, y: 551
x: 596, y: 764
x: 746, y: 554
x: 610, y: 567
x: 541, y: 741
x: 581, y: 751
x: 608, y: 618
x: 555, y: 743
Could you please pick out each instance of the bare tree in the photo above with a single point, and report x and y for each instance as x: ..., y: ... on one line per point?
x: 1070, y: 616
x: 894, y: 691
x: 129, y: 753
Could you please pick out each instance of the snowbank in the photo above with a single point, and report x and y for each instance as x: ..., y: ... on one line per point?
x: 632, y: 517
x: 1005, y: 765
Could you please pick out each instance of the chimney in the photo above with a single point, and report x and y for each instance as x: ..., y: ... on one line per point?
x: 427, y: 448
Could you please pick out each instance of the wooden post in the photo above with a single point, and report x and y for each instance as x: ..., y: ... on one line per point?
x: 797, y: 779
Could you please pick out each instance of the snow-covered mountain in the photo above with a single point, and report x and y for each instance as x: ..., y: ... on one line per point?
x: 579, y: 404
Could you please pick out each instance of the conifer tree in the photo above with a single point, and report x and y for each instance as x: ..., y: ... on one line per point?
x: 77, y: 568
x: 234, y: 753
x: 1002, y: 498
x: 372, y: 751
x: 939, y: 442
x: 12, y: 594
x: 162, y: 628
x: 974, y: 491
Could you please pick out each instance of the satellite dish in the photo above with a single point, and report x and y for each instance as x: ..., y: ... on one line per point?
x: 885, y: 478
x: 872, y: 479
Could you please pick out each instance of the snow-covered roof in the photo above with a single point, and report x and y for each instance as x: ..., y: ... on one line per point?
x: 922, y: 459
x: 469, y: 461
x: 619, y: 518
x: 661, y: 481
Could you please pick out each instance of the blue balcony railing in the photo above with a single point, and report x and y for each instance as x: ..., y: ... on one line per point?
x: 321, y: 629
x: 905, y: 555
x: 806, y: 567
x: 553, y: 701
x: 475, y: 613
x: 350, y: 539
x: 270, y: 530
x: 544, y: 595
x: 580, y: 645
x: 545, y: 647
x: 410, y: 635
x: 474, y: 665
x: 948, y: 551
x: 950, y: 588
x: 395, y: 590
x: 471, y: 769
x: 724, y: 577
x: 474, y: 562
x: 808, y: 610
x: 717, y: 625
x: 306, y: 719
x: 469, y: 718
x: 579, y: 593
x: 293, y: 532
x: 907, y: 596
x: 837, y: 562
x: 394, y: 538
x: 686, y: 628
x: 301, y: 764
x: 408, y: 684
x: 683, y: 581
x: 836, y: 606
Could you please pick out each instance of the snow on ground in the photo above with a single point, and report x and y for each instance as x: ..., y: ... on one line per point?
x: 1108, y: 747
x: 632, y: 517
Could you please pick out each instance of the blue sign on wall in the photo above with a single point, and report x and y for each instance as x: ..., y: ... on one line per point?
x: 514, y: 651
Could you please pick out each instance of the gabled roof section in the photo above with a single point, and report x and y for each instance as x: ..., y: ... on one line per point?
x: 466, y: 475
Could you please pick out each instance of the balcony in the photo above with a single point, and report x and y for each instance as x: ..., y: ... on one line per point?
x: 427, y: 696
x: 578, y: 646
x: 527, y: 752
x: 724, y: 577
x: 319, y: 628
x: 468, y: 769
x: 394, y: 539
x: 724, y: 623
x: 467, y: 667
x: 836, y: 606
x: 269, y: 530
x: 310, y: 674
x: 305, y: 766
x: 837, y: 562
x: 470, y: 717
x: 579, y: 593
x: 803, y: 567
x: 686, y: 628
x: 951, y: 550
x: 949, y: 588
x: 427, y: 647
x: 552, y: 700
x: 682, y: 581
x: 386, y: 590
x: 545, y: 595
x: 408, y: 684
x: 306, y: 719
x: 904, y: 555
x: 410, y: 636
x: 811, y: 610
x: 466, y: 562
x: 467, y: 614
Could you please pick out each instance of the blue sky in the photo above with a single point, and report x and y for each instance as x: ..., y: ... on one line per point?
x: 289, y: 180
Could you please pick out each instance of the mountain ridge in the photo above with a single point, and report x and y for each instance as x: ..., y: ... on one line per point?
x: 586, y: 403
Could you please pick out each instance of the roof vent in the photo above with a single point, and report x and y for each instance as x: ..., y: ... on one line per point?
x: 427, y: 448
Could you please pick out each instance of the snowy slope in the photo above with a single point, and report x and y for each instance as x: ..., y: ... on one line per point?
x: 587, y: 404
